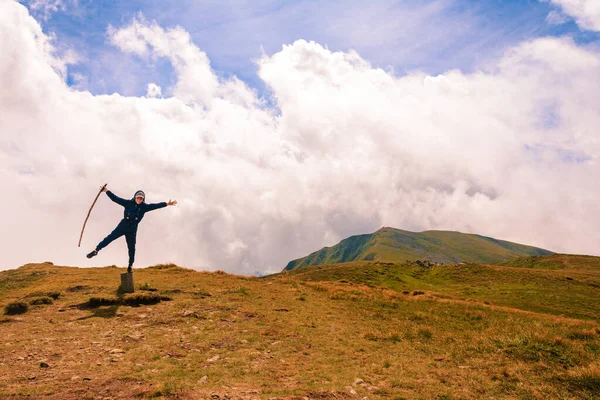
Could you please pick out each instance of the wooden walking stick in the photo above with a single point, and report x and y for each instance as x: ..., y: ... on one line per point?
x: 88, y: 215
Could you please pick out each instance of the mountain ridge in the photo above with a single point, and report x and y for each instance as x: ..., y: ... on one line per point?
x: 392, y: 244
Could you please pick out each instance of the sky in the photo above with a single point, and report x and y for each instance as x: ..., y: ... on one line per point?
x: 282, y: 127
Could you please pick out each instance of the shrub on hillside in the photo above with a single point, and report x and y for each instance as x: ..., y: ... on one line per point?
x: 41, y: 301
x: 139, y: 299
x: 163, y: 266
x: 53, y: 295
x: 201, y: 294
x: 102, y: 301
x: 17, y: 307
x: 146, y: 286
x: 129, y: 300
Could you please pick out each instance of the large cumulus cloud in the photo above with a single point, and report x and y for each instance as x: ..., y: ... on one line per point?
x: 341, y: 148
x: 585, y: 12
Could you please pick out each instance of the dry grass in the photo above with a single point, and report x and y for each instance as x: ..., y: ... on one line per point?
x: 279, y: 337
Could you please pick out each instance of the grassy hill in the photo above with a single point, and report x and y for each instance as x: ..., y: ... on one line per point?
x: 558, y: 284
x: 360, y: 330
x: 389, y: 244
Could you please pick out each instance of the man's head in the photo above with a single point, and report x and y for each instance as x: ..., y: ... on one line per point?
x: 139, y: 197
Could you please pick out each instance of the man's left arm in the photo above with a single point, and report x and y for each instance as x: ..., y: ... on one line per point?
x: 155, y: 206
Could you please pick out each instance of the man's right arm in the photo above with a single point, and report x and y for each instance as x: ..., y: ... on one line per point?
x: 116, y: 198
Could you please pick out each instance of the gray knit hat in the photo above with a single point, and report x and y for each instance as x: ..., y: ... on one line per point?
x: 139, y: 193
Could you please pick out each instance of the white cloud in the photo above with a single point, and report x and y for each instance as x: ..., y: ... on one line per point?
x: 197, y: 82
x: 511, y: 152
x: 45, y: 8
x: 585, y: 12
x: 556, y: 18
x: 153, y: 90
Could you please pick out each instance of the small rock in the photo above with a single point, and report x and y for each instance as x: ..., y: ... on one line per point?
x: 87, y: 379
x: 203, y: 380
x: 215, y: 358
x: 20, y: 358
x: 358, y: 381
x: 75, y: 378
x: 117, y: 351
x: 44, y: 365
x: 135, y: 336
x: 215, y: 395
x: 31, y: 378
x: 351, y: 390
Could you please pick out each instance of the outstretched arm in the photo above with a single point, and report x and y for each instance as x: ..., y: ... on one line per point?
x: 115, y: 198
x: 155, y: 206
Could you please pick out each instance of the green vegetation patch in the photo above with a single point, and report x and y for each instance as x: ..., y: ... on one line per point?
x: 538, y: 349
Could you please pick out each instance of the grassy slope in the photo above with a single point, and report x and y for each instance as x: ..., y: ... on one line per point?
x: 558, y: 284
x: 289, y: 336
x: 389, y: 244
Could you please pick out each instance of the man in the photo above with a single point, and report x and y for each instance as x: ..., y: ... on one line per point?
x: 132, y: 216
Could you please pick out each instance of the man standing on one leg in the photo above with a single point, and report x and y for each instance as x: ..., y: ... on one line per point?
x: 132, y: 216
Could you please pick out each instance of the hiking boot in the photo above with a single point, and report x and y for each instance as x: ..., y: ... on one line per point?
x: 92, y: 254
x: 129, y: 269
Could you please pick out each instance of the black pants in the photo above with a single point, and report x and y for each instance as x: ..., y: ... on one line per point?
x: 130, y: 232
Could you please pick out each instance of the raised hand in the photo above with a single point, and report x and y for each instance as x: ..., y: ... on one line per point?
x: 172, y: 203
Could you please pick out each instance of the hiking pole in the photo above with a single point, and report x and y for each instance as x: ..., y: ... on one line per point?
x: 86, y: 218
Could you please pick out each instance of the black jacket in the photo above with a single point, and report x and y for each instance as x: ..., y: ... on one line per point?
x: 133, y: 213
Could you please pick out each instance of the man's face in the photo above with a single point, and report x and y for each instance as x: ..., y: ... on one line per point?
x: 139, y: 199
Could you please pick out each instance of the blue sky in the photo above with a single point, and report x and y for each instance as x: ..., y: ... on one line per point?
x: 403, y: 36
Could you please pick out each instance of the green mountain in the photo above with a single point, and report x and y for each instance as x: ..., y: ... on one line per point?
x: 396, y: 245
